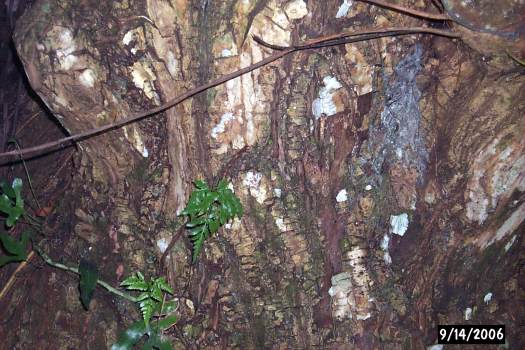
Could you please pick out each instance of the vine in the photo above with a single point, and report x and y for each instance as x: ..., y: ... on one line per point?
x: 207, y: 210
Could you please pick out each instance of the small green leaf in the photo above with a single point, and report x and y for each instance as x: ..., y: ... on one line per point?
x: 164, y: 285
x: 131, y: 336
x: 143, y: 296
x: 196, y: 222
x: 146, y: 307
x: 11, y: 245
x: 16, y: 250
x: 5, y: 204
x: 156, y: 294
x: 214, y: 226
x: 168, y: 322
x: 222, y: 185
x: 88, y: 281
x: 8, y: 190
x: 201, y: 184
x: 169, y: 306
x: 15, y: 214
x: 135, y: 282
x: 4, y: 260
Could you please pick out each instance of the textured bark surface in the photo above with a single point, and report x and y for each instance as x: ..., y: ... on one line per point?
x: 380, y: 180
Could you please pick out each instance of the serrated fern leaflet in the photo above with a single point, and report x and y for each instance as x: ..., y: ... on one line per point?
x: 208, y: 210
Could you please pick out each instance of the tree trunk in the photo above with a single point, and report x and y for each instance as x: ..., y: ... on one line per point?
x: 380, y: 180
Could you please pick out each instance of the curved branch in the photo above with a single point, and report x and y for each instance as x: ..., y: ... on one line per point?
x: 331, y: 40
x: 415, y: 13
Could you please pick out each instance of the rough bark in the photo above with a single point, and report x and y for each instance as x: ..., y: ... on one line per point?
x: 380, y: 180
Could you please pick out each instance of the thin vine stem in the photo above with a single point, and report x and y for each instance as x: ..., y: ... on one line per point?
x: 63, y: 267
x: 15, y: 141
x: 332, y: 40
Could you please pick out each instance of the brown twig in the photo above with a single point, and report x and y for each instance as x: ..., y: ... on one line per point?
x: 11, y: 280
x: 174, y: 240
x: 330, y: 40
x: 27, y: 122
x: 415, y: 13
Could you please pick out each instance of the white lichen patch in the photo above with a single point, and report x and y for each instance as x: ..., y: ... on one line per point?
x: 384, y: 246
x: 87, y: 78
x: 360, y: 300
x: 349, y: 290
x: 252, y: 180
x: 226, y: 53
x: 468, y: 314
x: 162, y: 244
x: 495, y: 173
x: 324, y: 104
x: 341, y: 293
x: 134, y: 137
x: 143, y: 78
x: 172, y: 64
x: 510, y: 243
x: 342, y: 196
x: 256, y: 186
x: 487, y: 298
x: 344, y: 8
x: 399, y: 224
x: 221, y: 125
x: 279, y: 222
x: 126, y: 40
x: 296, y: 9
x: 145, y: 152
x: 65, y: 48
x: 355, y: 258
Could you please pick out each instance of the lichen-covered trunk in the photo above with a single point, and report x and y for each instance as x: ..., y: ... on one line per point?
x: 380, y: 179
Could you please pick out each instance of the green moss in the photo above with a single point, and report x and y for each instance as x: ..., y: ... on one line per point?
x: 345, y: 244
x: 259, y: 330
x: 101, y: 224
x: 290, y: 292
x: 139, y: 174
x: 46, y: 7
x: 210, y: 95
x: 504, y: 142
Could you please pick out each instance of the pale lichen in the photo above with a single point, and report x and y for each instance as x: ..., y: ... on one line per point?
x: 324, y: 104
x: 342, y: 196
x: 87, y: 78
x: 399, y: 224
x: 343, y: 9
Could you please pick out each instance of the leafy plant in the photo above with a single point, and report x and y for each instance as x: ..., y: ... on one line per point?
x: 16, y: 249
x: 11, y: 202
x: 151, y: 298
x: 152, y: 303
x: 138, y: 329
x: 208, y: 210
x: 88, y: 281
x: 12, y: 206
